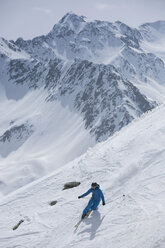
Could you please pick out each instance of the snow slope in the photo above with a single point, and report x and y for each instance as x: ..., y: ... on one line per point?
x: 37, y: 133
x: 131, y: 162
x: 154, y: 38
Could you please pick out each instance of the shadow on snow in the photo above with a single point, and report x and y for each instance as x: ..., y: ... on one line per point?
x: 95, y: 221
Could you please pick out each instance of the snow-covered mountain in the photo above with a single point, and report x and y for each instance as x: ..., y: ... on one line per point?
x: 154, y: 38
x: 130, y: 163
x: 65, y: 91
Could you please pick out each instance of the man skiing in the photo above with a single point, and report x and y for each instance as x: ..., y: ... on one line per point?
x: 93, y: 203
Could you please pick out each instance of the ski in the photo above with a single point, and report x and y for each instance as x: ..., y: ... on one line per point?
x: 78, y: 223
x: 86, y: 216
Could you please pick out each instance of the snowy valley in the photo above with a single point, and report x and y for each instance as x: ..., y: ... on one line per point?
x: 83, y: 103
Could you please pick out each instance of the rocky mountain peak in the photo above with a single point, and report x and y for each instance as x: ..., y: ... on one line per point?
x: 153, y: 31
x: 71, y: 17
x: 158, y: 25
x: 95, y: 65
x: 71, y: 21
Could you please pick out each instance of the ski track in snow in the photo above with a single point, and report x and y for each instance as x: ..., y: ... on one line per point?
x: 130, y: 163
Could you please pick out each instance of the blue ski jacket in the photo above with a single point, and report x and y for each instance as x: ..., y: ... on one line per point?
x: 97, y: 194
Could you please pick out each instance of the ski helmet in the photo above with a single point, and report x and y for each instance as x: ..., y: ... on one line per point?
x: 93, y: 185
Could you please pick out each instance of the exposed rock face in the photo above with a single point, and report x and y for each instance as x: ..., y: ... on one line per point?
x: 106, y: 101
x: 14, y: 137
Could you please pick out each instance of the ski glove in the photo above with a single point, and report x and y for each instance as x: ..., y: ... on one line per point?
x: 79, y: 197
x: 103, y: 203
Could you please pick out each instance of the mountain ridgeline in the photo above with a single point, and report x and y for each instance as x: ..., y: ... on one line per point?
x: 94, y: 67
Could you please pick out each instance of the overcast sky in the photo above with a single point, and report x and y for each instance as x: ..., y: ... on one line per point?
x: 30, y: 18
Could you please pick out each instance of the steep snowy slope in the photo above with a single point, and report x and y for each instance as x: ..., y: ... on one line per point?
x: 38, y: 137
x: 131, y: 163
x: 154, y: 38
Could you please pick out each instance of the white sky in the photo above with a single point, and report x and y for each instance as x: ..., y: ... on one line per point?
x: 30, y: 18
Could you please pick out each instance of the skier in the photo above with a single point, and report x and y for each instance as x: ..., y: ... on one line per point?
x: 93, y: 203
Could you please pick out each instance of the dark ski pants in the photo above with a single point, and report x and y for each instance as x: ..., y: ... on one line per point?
x: 91, y: 205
